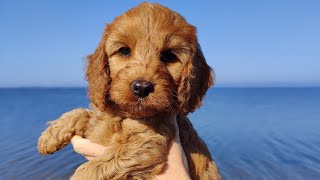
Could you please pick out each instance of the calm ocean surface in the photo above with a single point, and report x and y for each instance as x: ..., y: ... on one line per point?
x: 253, y: 133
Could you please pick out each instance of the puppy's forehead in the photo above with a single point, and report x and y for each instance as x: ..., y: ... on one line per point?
x: 151, y: 22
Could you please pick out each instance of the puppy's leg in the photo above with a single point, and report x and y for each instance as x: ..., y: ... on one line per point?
x: 201, y: 165
x: 60, y: 131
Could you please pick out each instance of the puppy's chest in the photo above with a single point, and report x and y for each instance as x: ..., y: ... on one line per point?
x: 121, y: 132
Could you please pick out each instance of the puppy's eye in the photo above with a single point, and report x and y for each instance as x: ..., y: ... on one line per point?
x: 168, y: 56
x: 125, y: 51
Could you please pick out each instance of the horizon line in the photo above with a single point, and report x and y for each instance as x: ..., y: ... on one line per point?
x: 215, y: 86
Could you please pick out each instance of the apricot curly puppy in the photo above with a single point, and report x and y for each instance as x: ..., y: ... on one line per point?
x: 147, y: 69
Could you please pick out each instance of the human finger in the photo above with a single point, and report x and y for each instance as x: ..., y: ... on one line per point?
x: 86, y: 147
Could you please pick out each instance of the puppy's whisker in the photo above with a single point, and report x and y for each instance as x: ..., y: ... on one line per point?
x: 162, y: 104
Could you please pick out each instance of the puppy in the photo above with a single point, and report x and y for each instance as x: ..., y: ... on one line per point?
x: 147, y: 70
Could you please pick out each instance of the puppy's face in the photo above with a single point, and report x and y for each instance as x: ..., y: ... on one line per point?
x: 148, y: 62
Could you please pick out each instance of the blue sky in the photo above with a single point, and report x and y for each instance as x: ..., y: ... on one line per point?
x: 247, y: 43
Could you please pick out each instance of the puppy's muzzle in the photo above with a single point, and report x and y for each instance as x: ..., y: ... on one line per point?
x: 142, y: 88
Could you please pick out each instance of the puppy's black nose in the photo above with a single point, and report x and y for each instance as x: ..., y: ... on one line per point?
x: 142, y: 88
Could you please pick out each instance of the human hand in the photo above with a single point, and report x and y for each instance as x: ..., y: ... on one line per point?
x: 177, y: 162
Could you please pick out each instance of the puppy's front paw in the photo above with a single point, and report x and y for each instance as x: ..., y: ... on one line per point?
x: 48, y: 144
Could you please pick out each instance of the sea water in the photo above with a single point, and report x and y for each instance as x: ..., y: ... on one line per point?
x: 252, y: 133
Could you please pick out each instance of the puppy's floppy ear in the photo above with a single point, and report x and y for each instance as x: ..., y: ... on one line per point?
x: 98, y: 74
x: 196, y: 78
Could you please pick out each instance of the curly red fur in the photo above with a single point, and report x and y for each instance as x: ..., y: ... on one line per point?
x: 196, y: 79
x: 137, y: 131
x: 98, y: 74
